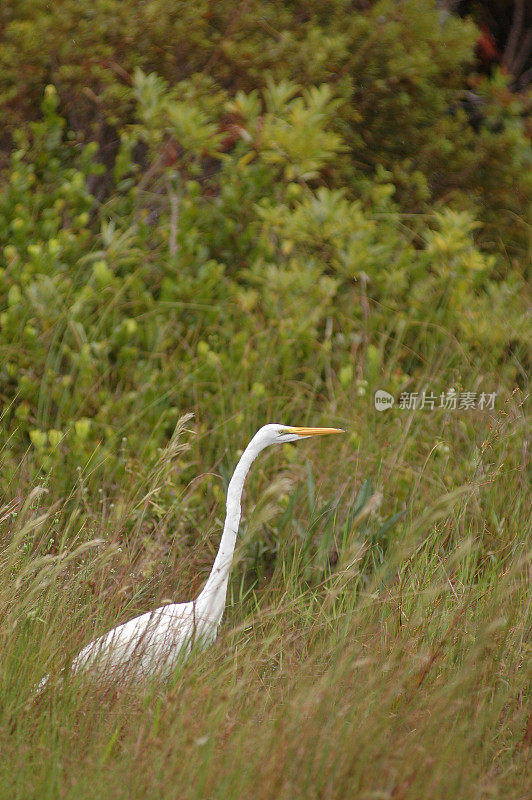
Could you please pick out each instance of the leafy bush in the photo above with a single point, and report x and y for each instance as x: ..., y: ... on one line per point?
x: 202, y: 278
x: 400, y: 72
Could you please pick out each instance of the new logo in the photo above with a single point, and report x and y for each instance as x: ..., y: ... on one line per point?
x: 383, y: 400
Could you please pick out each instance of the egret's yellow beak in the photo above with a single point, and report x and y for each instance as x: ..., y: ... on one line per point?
x: 314, y: 431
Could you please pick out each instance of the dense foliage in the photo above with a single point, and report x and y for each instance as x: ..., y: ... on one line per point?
x: 259, y: 214
x: 198, y: 280
x: 402, y: 72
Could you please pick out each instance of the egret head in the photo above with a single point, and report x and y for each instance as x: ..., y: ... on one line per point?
x: 280, y: 434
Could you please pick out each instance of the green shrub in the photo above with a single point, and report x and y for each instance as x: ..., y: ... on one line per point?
x: 401, y: 73
x: 196, y: 287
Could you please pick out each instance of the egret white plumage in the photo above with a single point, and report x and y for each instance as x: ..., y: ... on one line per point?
x: 154, y: 643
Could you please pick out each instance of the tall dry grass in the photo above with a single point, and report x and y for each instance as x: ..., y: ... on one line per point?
x: 366, y: 662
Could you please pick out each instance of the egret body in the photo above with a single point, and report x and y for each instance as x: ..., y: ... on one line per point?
x: 155, y: 642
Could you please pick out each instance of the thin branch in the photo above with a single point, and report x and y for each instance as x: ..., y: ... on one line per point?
x: 174, y: 221
x: 515, y: 34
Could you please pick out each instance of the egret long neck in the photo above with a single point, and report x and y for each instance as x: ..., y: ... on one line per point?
x: 212, y: 597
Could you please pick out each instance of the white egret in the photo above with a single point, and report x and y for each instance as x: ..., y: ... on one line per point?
x: 155, y: 642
